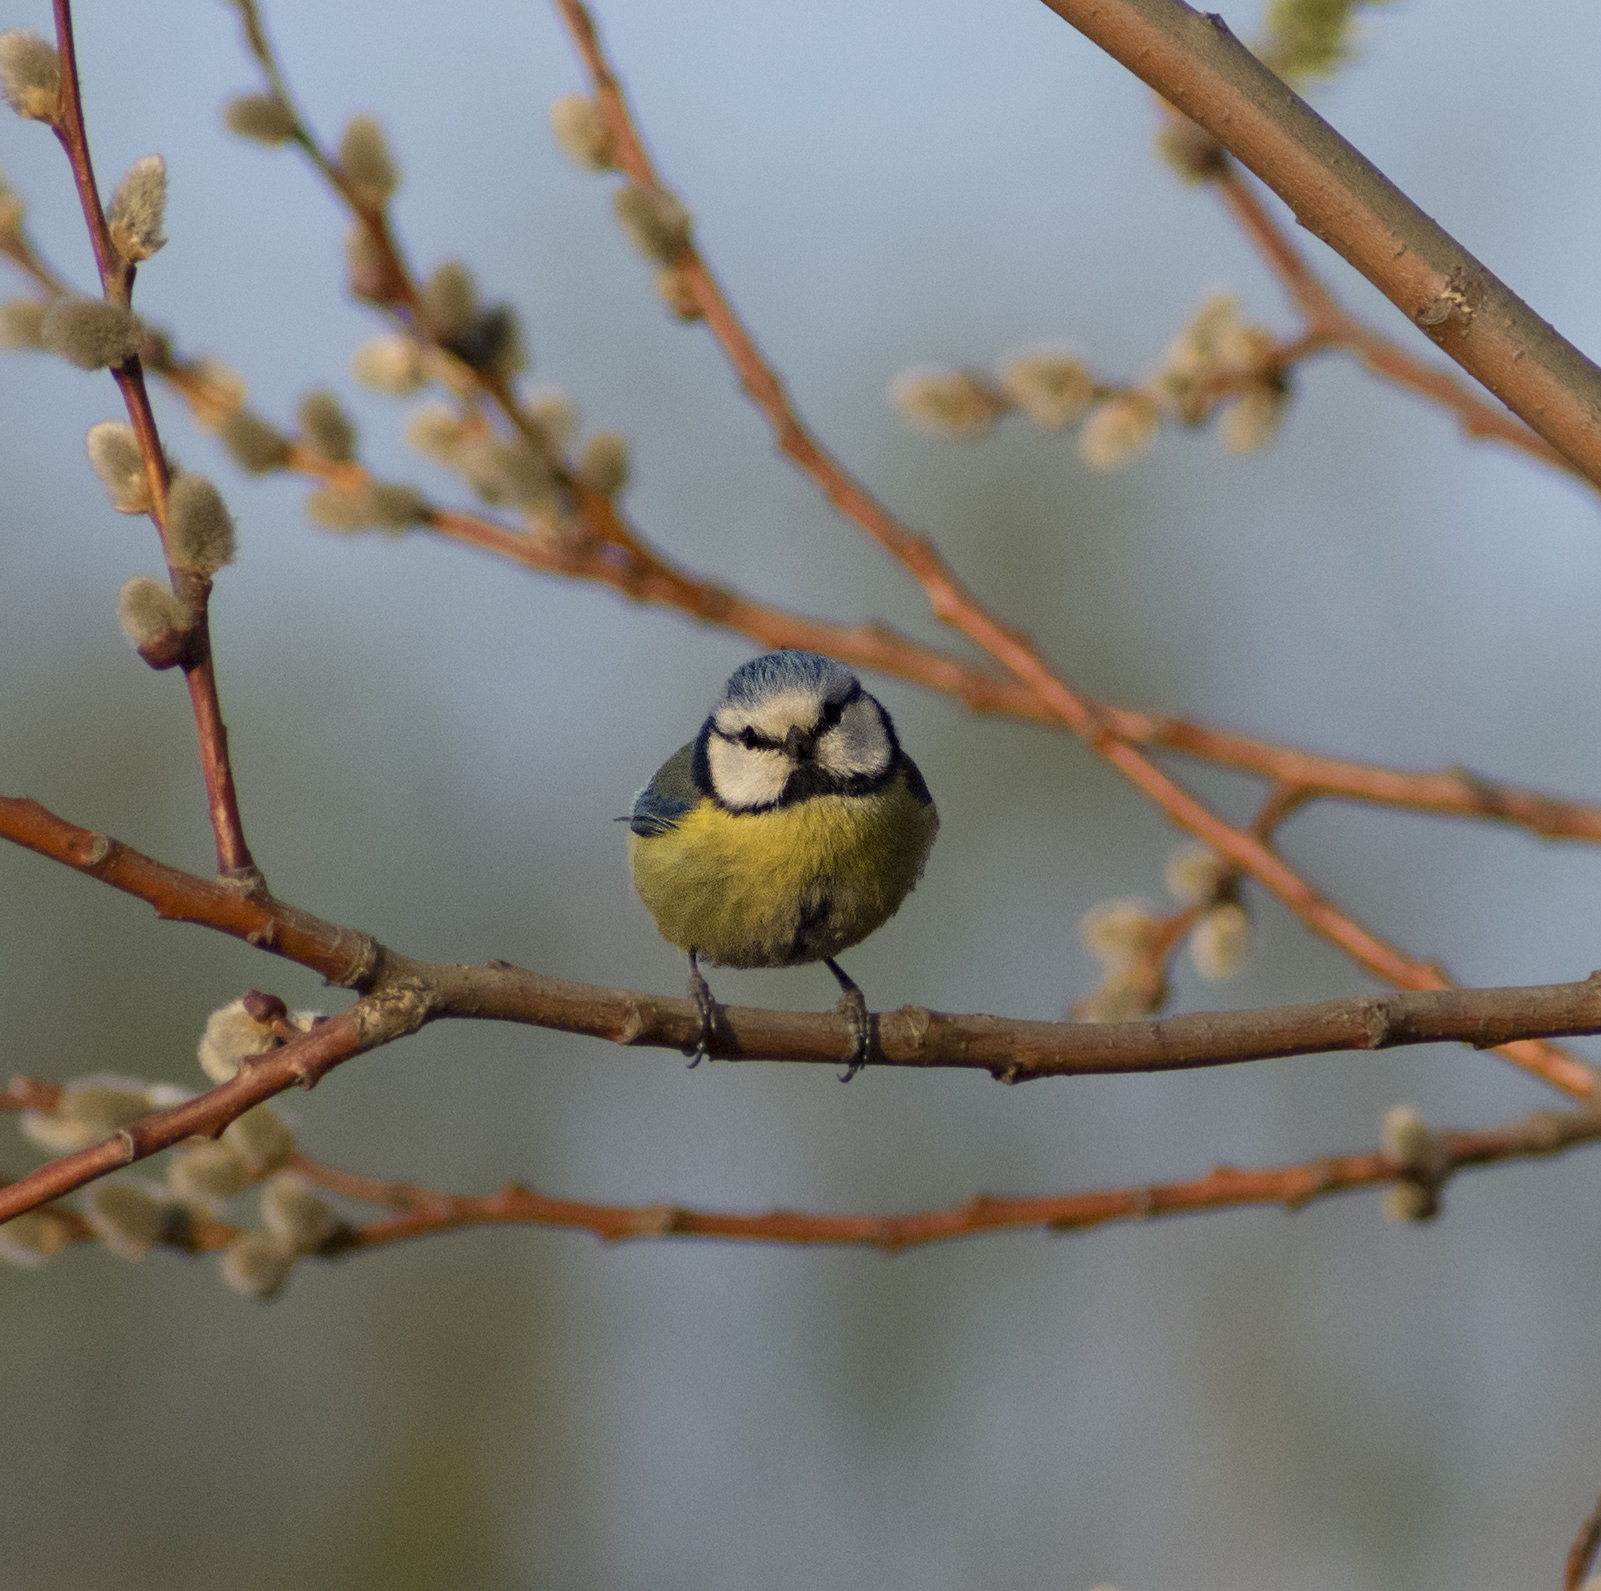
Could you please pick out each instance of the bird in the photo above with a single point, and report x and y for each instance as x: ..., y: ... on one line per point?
x: 786, y: 831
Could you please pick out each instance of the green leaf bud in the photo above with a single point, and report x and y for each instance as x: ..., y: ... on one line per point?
x: 365, y: 159
x: 22, y: 322
x: 91, y: 333
x: 35, y: 1236
x: 1219, y: 941
x: 200, y: 533
x: 87, y: 1112
x: 126, y: 1217
x: 374, y: 505
x: 1118, y: 431
x: 137, y: 209
x: 205, y: 1173
x: 951, y: 403
x: 390, y: 364
x: 583, y: 133
x: 30, y: 74
x: 255, y: 444
x: 115, y: 457
x: 263, y: 117
x: 293, y: 1211
x: 450, y: 296
x: 603, y: 465
x: 260, y: 1139
x: 655, y: 220
x: 257, y: 1264
x: 150, y: 613
x: 232, y: 1035
x: 1053, y: 390
x: 327, y: 427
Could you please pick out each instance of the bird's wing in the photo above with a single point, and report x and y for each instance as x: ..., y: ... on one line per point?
x: 659, y: 806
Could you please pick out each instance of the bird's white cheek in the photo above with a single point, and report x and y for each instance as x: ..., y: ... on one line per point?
x: 744, y: 778
x: 857, y: 745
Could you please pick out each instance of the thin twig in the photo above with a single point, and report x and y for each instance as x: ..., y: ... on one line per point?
x: 956, y: 606
x: 234, y: 860
x: 1582, y: 1553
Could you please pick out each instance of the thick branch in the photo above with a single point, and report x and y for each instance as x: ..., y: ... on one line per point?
x: 1198, y: 66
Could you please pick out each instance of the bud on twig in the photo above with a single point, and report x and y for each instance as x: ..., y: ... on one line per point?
x: 1218, y: 942
x: 30, y: 75
x: 365, y: 159
x: 583, y: 133
x: 126, y: 1217
x: 255, y: 444
x: 1053, y: 390
x: 1118, y: 431
x: 200, y: 533
x: 91, y: 333
x: 655, y: 220
x: 952, y: 403
x: 35, y: 1236
x: 154, y: 620
x: 293, y: 1211
x: 327, y: 427
x: 389, y: 364
x: 137, y: 209
x: 115, y: 457
x: 232, y: 1035
x: 260, y: 1139
x: 22, y: 322
x: 263, y: 117
x: 87, y: 1112
x: 257, y: 1264
x: 450, y: 296
x: 603, y: 465
x: 374, y: 505
x: 205, y: 1173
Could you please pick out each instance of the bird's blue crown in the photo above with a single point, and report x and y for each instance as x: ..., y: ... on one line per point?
x: 773, y: 672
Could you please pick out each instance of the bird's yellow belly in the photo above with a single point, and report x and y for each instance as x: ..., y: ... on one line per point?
x: 798, y: 883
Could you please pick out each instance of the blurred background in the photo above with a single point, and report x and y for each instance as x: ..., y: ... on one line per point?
x: 431, y: 746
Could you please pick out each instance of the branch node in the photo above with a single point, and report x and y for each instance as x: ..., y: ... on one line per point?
x: 98, y: 851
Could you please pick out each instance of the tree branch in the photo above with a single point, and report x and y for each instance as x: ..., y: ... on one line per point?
x: 1194, y: 62
x: 956, y: 606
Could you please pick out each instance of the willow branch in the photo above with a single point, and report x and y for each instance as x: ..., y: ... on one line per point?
x: 1329, y: 324
x: 1199, y: 67
x: 1582, y: 1553
x: 956, y: 606
x: 234, y: 860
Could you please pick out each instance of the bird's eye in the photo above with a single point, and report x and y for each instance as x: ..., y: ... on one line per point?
x: 747, y: 738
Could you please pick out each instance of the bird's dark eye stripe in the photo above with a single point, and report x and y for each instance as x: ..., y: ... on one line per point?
x: 750, y: 739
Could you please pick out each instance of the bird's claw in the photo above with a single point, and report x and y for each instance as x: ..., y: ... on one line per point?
x: 853, y: 1007
x: 700, y: 996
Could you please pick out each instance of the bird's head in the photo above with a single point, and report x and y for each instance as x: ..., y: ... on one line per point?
x: 791, y: 725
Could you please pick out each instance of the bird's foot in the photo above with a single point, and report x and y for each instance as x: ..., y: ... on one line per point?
x: 853, y: 1007
x: 700, y: 996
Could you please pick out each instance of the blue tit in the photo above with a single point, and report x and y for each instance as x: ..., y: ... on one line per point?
x: 785, y: 832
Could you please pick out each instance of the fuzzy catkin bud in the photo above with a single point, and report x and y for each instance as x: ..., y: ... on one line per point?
x: 115, y: 457
x: 327, y: 427
x: 1194, y: 872
x: 603, y: 465
x: 675, y: 289
x: 1120, y: 999
x: 1192, y: 152
x: 149, y: 612
x: 951, y: 403
x: 553, y: 412
x: 35, y: 1236
x: 257, y: 1264
x: 22, y: 322
x: 1118, y: 431
x: 263, y: 117
x: 293, y: 1211
x: 232, y: 1035
x: 1407, y: 1139
x: 87, y: 1112
x: 374, y: 505
x: 655, y: 220
x: 389, y: 364
x: 450, y: 295
x: 126, y: 1217
x: 206, y: 1172
x: 138, y: 208
x: 254, y: 443
x: 583, y: 133
x: 30, y: 74
x: 436, y: 433
x: 492, y: 342
x: 200, y: 533
x: 260, y: 1139
x: 1116, y: 931
x: 1411, y: 1202
x: 365, y: 159
x: 1250, y: 422
x: 1219, y: 941
x: 1053, y: 390
x: 91, y: 333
